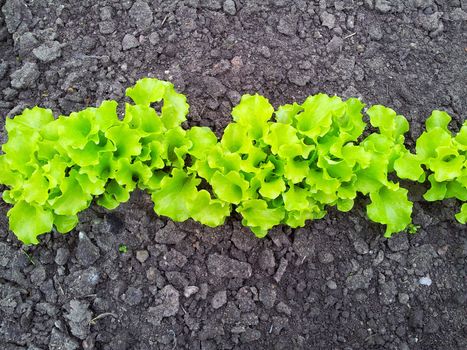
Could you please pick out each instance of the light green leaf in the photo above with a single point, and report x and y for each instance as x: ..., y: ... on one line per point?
x: 64, y: 223
x: 286, y: 114
x: 106, y: 115
x: 296, y: 198
x: 253, y: 112
x: 114, y: 195
x: 208, y: 211
x: 126, y: 140
x: 437, y: 190
x: 336, y: 168
x: 223, y: 160
x: 130, y: 174
x: 408, y: 166
x: 438, y: 119
x: 147, y: 91
x: 150, y: 90
x: 175, y: 108
x: 202, y: 139
x: 259, y: 217
x: 351, y: 124
x: 319, y: 180
x: 454, y: 189
x: 461, y: 138
x: 144, y: 119
x: 253, y: 161
x: 32, y: 119
x: 387, y: 121
x: 447, y: 165
x: 279, y: 135
x: 298, y: 218
x: 317, y: 116
x: 176, y: 144
x: 176, y: 192
x: 8, y: 176
x: 462, y: 215
x: 231, y: 188
x: 345, y: 205
x: 73, y: 198
x: 28, y: 221
x: 78, y: 129
x: 391, y: 208
x: 236, y: 139
x: 428, y: 142
x: 36, y: 188
x: 20, y: 150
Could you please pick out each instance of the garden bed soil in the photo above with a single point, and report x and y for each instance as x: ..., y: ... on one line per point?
x: 335, y: 284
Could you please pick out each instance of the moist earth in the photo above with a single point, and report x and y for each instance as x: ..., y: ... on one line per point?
x: 336, y: 283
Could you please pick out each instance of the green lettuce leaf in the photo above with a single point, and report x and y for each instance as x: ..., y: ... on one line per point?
x: 231, y: 188
x: 208, y: 211
x: 175, y: 195
x: 28, y: 221
x: 391, y: 208
x: 253, y: 112
x: 462, y: 215
x: 258, y: 217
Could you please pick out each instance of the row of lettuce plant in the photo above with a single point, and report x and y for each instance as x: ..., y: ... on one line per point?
x: 273, y: 167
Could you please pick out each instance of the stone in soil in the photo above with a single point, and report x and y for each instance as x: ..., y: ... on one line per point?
x: 60, y: 341
x: 190, y: 290
x: 335, y: 44
x: 141, y: 14
x: 398, y: 243
x: 129, y: 42
x: 267, y: 295
x: 172, y: 260
x: 82, y: 282
x: 86, y: 252
x: 133, y: 296
x: 219, y: 299
x: 25, y: 76
x: 360, y: 280
x: 298, y: 78
x: 303, y: 243
x: 361, y: 247
x: 62, y: 255
x: 281, y: 270
x: 229, y: 7
x: 325, y: 257
x: 48, y: 51
x: 142, y: 255
x: 16, y: 14
x: 166, y: 305
x: 266, y: 259
x: 288, y: 25
x: 79, y: 318
x: 222, y: 266
x: 328, y: 20
x: 169, y: 234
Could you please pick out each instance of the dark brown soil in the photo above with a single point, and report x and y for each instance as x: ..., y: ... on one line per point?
x: 335, y: 284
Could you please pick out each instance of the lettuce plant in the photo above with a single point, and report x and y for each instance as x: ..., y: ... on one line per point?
x: 283, y: 166
x: 445, y: 158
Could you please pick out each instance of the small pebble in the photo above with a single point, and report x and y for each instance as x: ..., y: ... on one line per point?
x: 142, y: 256
x: 325, y: 257
x: 425, y: 281
x: 331, y: 285
x: 219, y: 299
x: 403, y: 298
x: 190, y: 290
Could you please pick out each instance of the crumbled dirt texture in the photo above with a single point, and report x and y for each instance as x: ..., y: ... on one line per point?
x: 335, y: 284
